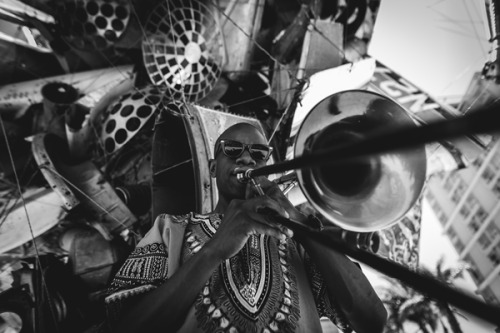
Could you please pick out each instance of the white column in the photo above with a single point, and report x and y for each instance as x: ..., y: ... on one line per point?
x: 471, y: 213
x: 489, y: 279
x: 494, y: 243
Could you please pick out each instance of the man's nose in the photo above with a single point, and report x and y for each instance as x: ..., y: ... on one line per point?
x: 246, y: 159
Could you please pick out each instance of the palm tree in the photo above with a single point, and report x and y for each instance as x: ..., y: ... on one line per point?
x: 448, y: 275
x: 404, y: 304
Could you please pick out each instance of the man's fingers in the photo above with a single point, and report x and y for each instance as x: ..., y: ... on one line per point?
x: 266, y: 213
x: 265, y: 225
x: 271, y: 208
x: 271, y: 217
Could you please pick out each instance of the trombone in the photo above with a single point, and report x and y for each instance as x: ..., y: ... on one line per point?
x: 360, y: 161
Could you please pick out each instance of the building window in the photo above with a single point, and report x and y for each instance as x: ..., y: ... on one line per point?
x: 493, y: 230
x: 464, y: 211
x: 478, y: 219
x: 484, y: 240
x: 471, y: 201
x: 458, y: 193
x: 488, y: 174
x: 459, y: 246
x: 494, y: 255
x: 442, y: 218
x: 450, y: 181
x: 496, y: 188
x: 495, y: 161
x: 478, y: 161
x: 474, y: 226
x: 452, y: 235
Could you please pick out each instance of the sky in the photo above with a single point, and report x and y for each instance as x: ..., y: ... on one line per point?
x: 436, y: 44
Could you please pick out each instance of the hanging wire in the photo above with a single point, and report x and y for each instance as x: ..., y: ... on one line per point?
x: 80, y: 191
x: 174, y: 34
x: 257, y: 44
x: 476, y: 33
x: 275, y: 60
x: 37, y: 254
x: 112, y: 64
x: 6, y: 211
x: 477, y: 97
x: 262, y: 97
x: 279, y: 122
x: 138, y: 19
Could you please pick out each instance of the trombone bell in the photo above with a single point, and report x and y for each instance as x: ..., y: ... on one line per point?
x: 367, y: 193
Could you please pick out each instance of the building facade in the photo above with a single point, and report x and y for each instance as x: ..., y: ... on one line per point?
x: 467, y: 204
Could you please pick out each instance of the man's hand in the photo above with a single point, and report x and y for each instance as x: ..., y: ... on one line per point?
x: 272, y: 190
x: 243, y: 218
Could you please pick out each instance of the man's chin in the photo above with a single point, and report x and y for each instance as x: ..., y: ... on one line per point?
x: 238, y: 190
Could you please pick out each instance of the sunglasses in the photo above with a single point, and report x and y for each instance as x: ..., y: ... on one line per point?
x: 234, y: 149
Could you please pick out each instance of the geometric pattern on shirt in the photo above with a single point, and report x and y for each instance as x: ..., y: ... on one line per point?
x: 145, y: 265
x: 199, y: 230
x: 325, y: 305
x: 256, y: 290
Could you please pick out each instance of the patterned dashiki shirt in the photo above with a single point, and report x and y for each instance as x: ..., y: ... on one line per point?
x: 269, y: 286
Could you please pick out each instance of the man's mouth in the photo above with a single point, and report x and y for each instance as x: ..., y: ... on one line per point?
x: 239, y: 173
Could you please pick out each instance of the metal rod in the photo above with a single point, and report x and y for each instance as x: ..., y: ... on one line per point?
x: 427, y: 285
x: 485, y: 120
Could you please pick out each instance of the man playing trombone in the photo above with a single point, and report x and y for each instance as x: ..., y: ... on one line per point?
x: 236, y: 269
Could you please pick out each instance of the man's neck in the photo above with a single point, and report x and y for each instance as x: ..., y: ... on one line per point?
x: 221, y: 206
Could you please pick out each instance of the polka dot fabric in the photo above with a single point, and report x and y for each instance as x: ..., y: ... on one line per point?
x: 128, y: 115
x: 92, y: 24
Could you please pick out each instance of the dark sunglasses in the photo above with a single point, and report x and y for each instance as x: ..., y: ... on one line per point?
x: 234, y: 149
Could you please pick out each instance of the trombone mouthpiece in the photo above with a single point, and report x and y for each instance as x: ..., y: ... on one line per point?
x: 241, y: 178
x: 244, y: 176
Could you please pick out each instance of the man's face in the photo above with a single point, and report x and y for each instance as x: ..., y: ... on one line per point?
x: 225, y: 168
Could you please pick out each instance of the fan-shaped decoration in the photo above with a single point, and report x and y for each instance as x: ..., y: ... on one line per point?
x: 183, y: 48
x: 92, y: 24
x: 128, y: 115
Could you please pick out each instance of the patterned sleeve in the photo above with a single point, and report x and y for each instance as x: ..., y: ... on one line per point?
x: 147, y: 266
x: 326, y: 306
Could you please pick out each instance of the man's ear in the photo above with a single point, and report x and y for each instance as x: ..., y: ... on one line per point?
x: 212, y: 166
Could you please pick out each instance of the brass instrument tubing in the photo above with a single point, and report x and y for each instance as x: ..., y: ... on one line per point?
x: 481, y: 121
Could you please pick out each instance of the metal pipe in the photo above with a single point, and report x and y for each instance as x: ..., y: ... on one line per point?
x: 484, y: 120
